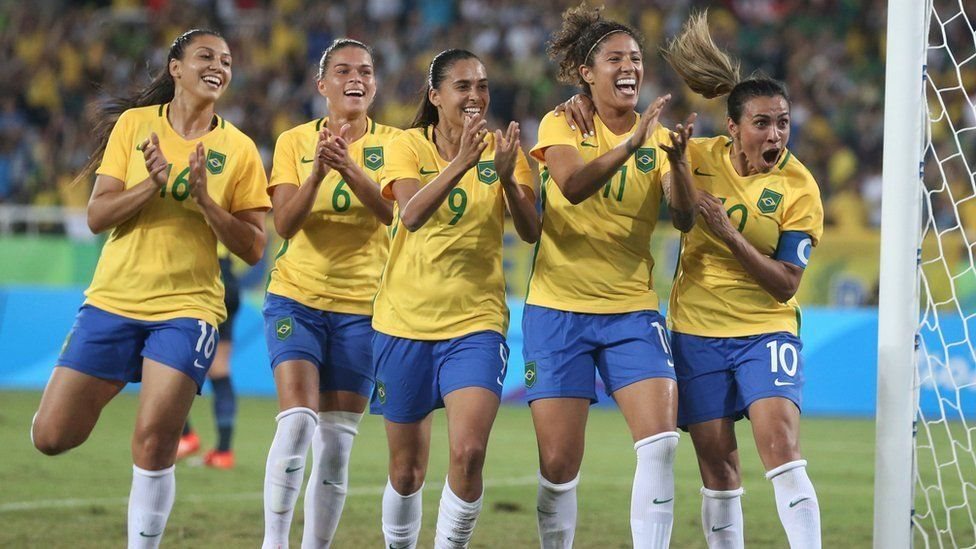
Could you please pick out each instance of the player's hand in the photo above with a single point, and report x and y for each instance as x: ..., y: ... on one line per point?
x: 335, y: 150
x: 156, y: 163
x: 506, y: 151
x: 648, y: 122
x: 579, y: 112
x: 679, y: 140
x: 319, y: 166
x: 716, y: 219
x: 198, y: 176
x: 473, y: 141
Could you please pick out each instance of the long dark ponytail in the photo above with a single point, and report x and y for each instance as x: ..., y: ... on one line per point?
x: 160, y: 90
x: 436, y: 73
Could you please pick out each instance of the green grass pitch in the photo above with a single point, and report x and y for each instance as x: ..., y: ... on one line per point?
x: 79, y: 499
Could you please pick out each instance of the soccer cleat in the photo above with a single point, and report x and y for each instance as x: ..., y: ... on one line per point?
x: 189, y: 445
x: 219, y: 460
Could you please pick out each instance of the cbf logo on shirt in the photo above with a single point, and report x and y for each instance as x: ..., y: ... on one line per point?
x: 486, y: 172
x: 216, y: 162
x: 373, y: 158
x: 645, y: 159
x: 768, y: 201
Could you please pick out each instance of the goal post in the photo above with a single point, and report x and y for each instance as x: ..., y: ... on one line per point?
x: 898, y: 304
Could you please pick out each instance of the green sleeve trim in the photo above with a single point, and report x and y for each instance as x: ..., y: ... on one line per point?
x: 786, y: 159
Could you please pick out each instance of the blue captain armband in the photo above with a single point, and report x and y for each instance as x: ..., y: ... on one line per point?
x: 794, y: 247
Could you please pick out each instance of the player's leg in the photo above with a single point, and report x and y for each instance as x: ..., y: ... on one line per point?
x: 406, y: 394
x: 295, y: 336
x: 100, y: 355
x: 346, y: 383
x: 164, y: 402
x: 636, y: 366
x: 560, y: 386
x: 707, y: 408
x: 770, y: 382
x: 224, y: 408
x: 472, y: 373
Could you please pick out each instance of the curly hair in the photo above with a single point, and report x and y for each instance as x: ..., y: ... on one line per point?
x: 576, y: 42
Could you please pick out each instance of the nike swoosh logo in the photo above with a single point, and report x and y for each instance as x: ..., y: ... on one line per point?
x: 720, y: 528
x: 145, y: 535
x: 293, y: 469
x: 659, y: 502
x: 398, y: 547
x: 427, y: 172
x: 546, y: 513
x: 703, y: 174
x: 330, y: 483
x: 797, y: 502
x: 779, y: 383
x: 198, y: 365
x: 585, y: 144
x: 304, y: 161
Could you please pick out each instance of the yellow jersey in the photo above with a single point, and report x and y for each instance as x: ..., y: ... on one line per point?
x: 334, y: 262
x: 595, y: 257
x: 162, y: 262
x: 445, y: 279
x: 713, y: 295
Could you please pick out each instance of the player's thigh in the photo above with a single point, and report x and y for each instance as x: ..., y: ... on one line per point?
x: 471, y: 411
x: 706, y: 381
x: 718, y: 453
x: 406, y: 379
x: 650, y: 406
x: 559, y: 359
x: 70, y: 406
x: 776, y: 428
x: 560, y: 431
x: 220, y: 368
x: 347, y: 374
x: 297, y: 384
x: 164, y: 402
x: 409, y: 447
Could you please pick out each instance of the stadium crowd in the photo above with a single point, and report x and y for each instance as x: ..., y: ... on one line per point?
x: 62, y: 56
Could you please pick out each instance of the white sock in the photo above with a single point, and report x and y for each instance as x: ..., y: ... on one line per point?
x: 150, y: 501
x: 326, y: 490
x: 556, y: 513
x: 284, y: 473
x: 796, y: 502
x: 401, y: 517
x: 455, y: 519
x: 722, y: 518
x: 652, y: 499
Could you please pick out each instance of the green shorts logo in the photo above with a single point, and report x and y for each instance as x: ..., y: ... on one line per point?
x: 530, y: 374
x: 646, y: 159
x: 486, y: 172
x: 373, y: 157
x: 215, y: 162
x: 769, y: 201
x: 283, y: 328
x: 380, y: 392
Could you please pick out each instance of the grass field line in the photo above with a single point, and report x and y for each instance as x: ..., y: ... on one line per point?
x: 68, y: 503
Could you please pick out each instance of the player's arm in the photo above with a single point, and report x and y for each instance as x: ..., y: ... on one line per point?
x: 578, y: 180
x: 242, y: 232
x: 417, y: 204
x: 336, y: 155
x: 519, y: 197
x: 112, y: 204
x: 780, y: 275
x: 678, y: 186
x: 293, y: 203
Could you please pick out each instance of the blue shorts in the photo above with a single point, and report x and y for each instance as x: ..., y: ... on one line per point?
x: 338, y: 344
x: 561, y: 348
x: 110, y: 346
x: 721, y: 376
x: 412, y: 376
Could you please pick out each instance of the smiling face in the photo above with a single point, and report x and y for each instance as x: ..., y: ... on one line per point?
x: 348, y: 83
x: 205, y: 69
x: 462, y: 92
x: 762, y: 131
x: 616, y: 74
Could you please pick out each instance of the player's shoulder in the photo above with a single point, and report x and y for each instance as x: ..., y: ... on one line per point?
x: 797, y: 176
x: 141, y: 115
x: 413, y: 138
x: 382, y: 131
x: 551, y: 123
x: 234, y: 134
x: 302, y: 131
x: 710, y: 145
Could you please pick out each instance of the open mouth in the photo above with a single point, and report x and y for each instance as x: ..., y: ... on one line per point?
x: 627, y: 86
x: 472, y: 111
x: 355, y: 93
x: 770, y: 156
x: 213, y: 81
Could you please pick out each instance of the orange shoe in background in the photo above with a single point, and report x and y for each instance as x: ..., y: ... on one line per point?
x: 189, y: 445
x: 219, y: 460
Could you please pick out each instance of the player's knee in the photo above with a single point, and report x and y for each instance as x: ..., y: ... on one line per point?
x: 469, y: 458
x: 51, y: 441
x: 778, y: 451
x: 153, y: 450
x: 721, y: 476
x: 558, y: 468
x: 407, y: 478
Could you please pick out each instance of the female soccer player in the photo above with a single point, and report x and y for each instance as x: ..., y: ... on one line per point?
x: 440, y: 313
x: 224, y: 400
x: 591, y: 300
x: 317, y: 313
x: 174, y: 179
x: 734, y: 317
